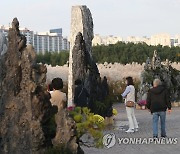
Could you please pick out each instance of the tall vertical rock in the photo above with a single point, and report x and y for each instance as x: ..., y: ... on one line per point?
x: 81, y: 63
x: 25, y: 108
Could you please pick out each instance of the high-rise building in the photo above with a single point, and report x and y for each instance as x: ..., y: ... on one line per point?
x: 175, y: 41
x: 105, y: 40
x: 137, y: 40
x: 58, y: 31
x: 47, y: 42
x: 51, y: 41
x: 161, y: 39
x: 28, y: 34
x: 65, y: 44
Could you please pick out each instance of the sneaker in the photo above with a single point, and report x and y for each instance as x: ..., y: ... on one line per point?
x: 163, y: 136
x: 130, y: 131
x: 155, y: 138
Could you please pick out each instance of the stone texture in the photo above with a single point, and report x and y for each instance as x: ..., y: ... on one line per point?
x: 85, y: 68
x: 81, y: 21
x: 25, y: 108
x: 79, y: 58
x: 65, y: 131
x: 81, y: 63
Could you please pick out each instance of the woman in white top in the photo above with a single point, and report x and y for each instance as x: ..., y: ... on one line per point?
x: 129, y: 95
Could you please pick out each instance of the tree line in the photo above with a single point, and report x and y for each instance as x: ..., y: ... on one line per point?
x: 129, y: 52
x: 120, y: 52
x: 53, y: 58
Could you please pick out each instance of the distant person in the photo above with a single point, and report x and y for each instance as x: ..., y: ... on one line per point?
x: 105, y: 88
x: 81, y: 95
x: 157, y: 102
x: 129, y: 95
x: 58, y: 98
x: 99, y: 90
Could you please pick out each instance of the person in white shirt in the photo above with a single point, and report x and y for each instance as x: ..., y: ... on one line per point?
x: 129, y: 95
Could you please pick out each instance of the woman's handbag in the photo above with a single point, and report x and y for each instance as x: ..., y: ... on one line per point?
x: 130, y: 104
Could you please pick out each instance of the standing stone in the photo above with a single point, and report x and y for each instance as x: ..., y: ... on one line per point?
x: 81, y: 21
x: 25, y: 107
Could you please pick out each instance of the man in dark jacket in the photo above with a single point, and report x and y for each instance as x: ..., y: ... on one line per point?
x: 157, y: 102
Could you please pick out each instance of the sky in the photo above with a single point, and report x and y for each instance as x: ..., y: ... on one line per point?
x: 111, y: 17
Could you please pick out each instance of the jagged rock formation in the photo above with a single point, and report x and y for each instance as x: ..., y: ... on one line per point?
x: 168, y: 75
x: 80, y: 58
x: 25, y: 107
x: 85, y: 68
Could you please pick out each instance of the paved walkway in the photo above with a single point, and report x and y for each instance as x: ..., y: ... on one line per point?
x: 144, y: 119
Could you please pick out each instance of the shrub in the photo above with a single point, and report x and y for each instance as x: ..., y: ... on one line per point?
x: 88, y: 123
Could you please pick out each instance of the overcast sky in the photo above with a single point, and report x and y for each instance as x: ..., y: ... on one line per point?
x: 111, y: 17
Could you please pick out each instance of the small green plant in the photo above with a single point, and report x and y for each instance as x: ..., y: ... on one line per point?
x: 88, y: 123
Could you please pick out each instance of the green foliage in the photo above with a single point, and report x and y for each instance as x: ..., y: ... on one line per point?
x: 149, y: 77
x: 100, y: 107
x: 59, y: 150
x: 88, y: 123
x: 53, y: 58
x: 120, y: 52
x: 130, y: 52
x: 104, y: 108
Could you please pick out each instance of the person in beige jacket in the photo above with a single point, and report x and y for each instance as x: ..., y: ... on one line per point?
x: 58, y: 98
